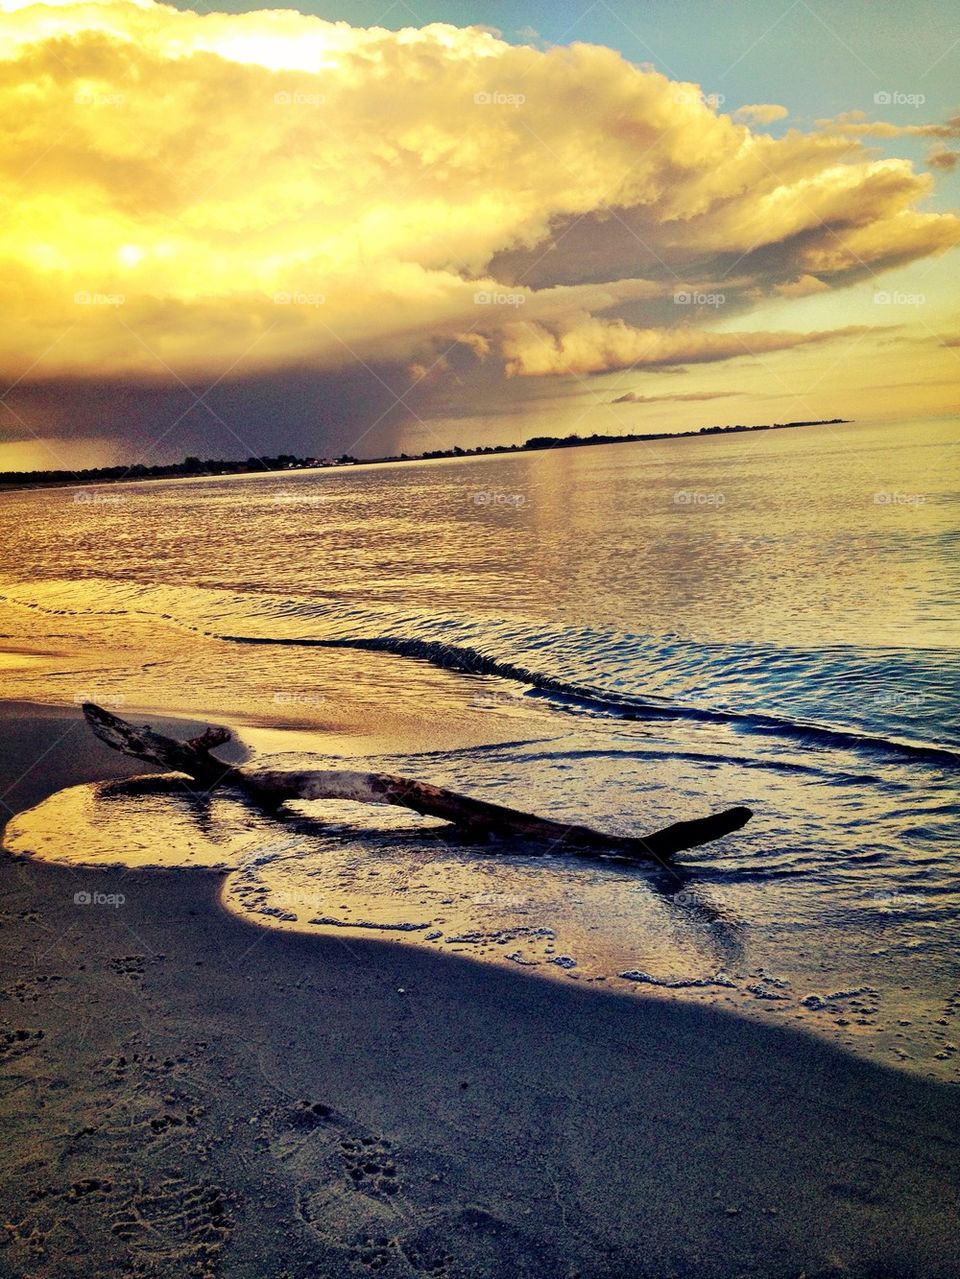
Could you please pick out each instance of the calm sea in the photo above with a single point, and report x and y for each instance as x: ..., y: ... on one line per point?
x: 625, y: 635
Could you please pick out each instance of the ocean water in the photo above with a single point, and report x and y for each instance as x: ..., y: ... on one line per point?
x: 623, y: 635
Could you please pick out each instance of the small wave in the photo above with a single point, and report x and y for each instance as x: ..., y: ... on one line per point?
x: 892, y: 702
x: 473, y: 662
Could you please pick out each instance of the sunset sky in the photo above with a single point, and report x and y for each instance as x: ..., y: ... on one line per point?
x: 373, y: 227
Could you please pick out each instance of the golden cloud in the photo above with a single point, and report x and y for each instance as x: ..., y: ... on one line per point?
x: 802, y: 287
x: 632, y: 397
x: 942, y: 157
x: 854, y: 124
x: 761, y: 112
x: 599, y: 346
x: 196, y: 196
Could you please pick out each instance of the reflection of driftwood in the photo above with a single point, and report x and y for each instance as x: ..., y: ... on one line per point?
x: 473, y: 815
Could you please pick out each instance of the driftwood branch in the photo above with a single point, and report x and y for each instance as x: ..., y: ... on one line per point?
x: 475, y: 816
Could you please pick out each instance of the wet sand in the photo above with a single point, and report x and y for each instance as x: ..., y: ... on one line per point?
x: 184, y: 1094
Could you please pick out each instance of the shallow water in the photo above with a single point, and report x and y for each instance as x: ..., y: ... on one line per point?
x: 623, y: 636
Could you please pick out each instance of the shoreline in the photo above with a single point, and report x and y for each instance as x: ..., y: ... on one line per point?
x: 188, y: 1094
x: 550, y: 444
x: 502, y: 911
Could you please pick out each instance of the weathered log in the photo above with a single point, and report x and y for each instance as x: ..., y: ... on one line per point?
x: 475, y: 816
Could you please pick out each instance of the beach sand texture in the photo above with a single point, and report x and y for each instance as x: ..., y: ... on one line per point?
x: 184, y: 1094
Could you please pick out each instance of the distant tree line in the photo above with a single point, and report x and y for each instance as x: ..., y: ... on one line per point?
x: 195, y: 466
x: 189, y: 467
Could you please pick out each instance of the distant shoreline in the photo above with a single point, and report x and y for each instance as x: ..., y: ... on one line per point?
x: 195, y: 468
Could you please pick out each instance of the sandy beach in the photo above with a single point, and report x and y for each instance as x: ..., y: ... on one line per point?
x: 184, y: 1094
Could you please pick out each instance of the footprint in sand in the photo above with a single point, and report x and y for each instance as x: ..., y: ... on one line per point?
x: 385, y: 1211
x: 30, y: 989
x: 342, y: 1170
x: 175, y: 1224
x: 347, y: 1185
x: 131, y: 966
x: 14, y: 1043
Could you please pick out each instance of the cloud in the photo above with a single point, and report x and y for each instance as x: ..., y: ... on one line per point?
x: 597, y: 346
x: 803, y: 286
x: 941, y: 157
x: 222, y: 196
x: 632, y: 397
x: 761, y: 113
x: 854, y: 124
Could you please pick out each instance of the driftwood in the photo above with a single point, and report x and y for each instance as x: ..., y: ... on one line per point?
x: 474, y: 816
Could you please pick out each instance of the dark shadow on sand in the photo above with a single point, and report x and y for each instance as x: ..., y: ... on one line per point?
x: 358, y: 1107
